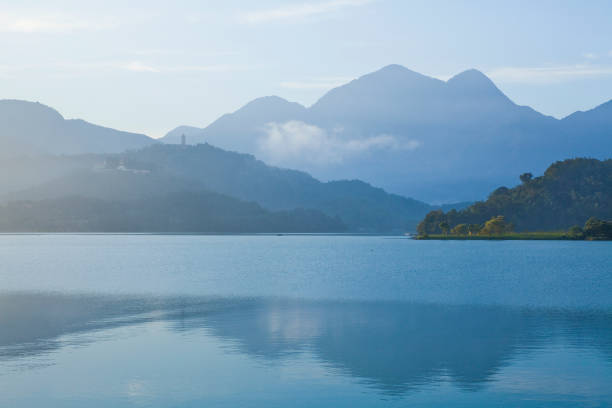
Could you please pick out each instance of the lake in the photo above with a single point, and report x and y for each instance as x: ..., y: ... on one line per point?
x: 303, y: 321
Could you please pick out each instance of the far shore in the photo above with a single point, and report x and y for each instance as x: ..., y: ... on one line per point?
x: 528, y: 236
x: 328, y: 234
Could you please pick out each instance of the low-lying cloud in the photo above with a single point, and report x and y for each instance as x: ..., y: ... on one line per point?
x: 298, y: 142
x: 537, y: 75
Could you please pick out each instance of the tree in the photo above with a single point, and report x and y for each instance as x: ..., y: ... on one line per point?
x: 460, y: 229
x: 496, y: 226
x: 526, y: 177
x: 430, y: 225
x: 595, y: 228
x: 444, y: 227
x: 473, y: 228
x: 575, y: 232
x: 567, y: 194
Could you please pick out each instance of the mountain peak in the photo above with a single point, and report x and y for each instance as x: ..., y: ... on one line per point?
x: 270, y: 98
x: 397, y: 72
x: 599, y: 114
x: 270, y: 102
x: 18, y: 108
x: 470, y: 74
x: 471, y: 78
x: 395, y: 68
x: 385, y: 89
x: 473, y: 82
x: 34, y: 127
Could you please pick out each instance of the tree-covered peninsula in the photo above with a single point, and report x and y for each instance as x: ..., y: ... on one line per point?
x: 571, y: 200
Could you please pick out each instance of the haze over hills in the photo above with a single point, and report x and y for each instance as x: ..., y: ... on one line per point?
x: 187, y: 212
x: 418, y: 136
x: 443, y: 140
x: 591, y: 130
x: 160, y: 170
x: 31, y: 127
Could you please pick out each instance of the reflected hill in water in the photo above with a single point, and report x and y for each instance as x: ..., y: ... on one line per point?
x: 33, y: 323
x: 393, y: 347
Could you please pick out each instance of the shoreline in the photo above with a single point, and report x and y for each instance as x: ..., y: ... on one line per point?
x: 521, y: 236
x: 330, y: 234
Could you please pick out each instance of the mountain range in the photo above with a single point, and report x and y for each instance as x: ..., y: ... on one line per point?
x: 34, y: 128
x: 439, y: 141
x: 159, y: 171
x: 322, y: 166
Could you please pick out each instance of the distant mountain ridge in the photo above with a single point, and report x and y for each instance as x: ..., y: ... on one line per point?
x: 31, y: 127
x: 411, y: 134
x: 154, y: 172
x: 254, y: 114
x: 186, y: 212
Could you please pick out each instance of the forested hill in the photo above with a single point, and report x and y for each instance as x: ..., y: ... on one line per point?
x: 163, y: 169
x: 569, y: 193
x: 361, y: 206
x: 186, y: 212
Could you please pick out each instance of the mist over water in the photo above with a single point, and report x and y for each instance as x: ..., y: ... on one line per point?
x: 303, y: 321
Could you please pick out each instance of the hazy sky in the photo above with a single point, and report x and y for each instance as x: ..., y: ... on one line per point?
x: 152, y: 65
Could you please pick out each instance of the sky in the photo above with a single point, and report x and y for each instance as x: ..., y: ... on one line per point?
x: 149, y: 66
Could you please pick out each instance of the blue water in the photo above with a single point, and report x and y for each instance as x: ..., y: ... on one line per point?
x: 302, y: 321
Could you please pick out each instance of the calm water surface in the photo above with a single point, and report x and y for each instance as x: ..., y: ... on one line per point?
x: 302, y: 321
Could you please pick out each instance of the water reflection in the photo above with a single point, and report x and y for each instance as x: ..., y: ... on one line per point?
x: 393, y: 347
x: 33, y: 323
x: 398, y: 346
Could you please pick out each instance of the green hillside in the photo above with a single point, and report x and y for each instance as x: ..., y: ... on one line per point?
x: 202, y: 212
x: 567, y: 194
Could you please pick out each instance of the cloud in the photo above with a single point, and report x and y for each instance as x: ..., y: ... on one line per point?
x: 299, y: 11
x: 158, y: 51
x: 382, y: 142
x: 139, y: 67
x: 73, y: 68
x: 548, y: 74
x: 148, y: 52
x: 51, y: 23
x: 298, y: 142
x: 206, y: 68
x: 316, y: 83
x: 590, y: 55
